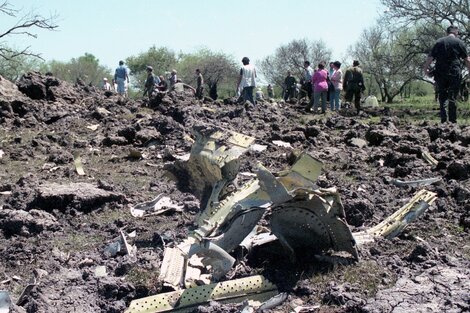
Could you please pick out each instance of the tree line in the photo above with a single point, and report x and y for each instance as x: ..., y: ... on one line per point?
x: 391, y: 52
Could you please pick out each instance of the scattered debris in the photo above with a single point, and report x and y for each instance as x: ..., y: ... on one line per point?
x: 159, y: 205
x: 78, y: 164
x: 93, y: 127
x: 258, y: 148
x: 100, y: 271
x: 429, y: 158
x: 121, y: 245
x: 416, y: 183
x: 394, y: 224
x: 281, y: 143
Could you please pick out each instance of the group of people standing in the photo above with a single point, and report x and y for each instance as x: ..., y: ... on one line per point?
x: 321, y: 85
x: 154, y: 84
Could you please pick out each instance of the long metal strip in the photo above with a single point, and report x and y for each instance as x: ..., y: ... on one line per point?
x: 254, y: 288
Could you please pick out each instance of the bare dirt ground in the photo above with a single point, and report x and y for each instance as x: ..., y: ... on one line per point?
x: 55, y: 225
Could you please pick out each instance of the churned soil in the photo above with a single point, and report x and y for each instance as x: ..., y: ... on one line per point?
x: 57, y: 227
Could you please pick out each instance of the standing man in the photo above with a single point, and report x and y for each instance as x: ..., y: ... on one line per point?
x: 150, y: 82
x: 121, y: 76
x: 308, y: 73
x: 246, y: 80
x: 270, y: 91
x: 353, y: 83
x: 448, y: 52
x: 199, y: 84
x: 290, y: 83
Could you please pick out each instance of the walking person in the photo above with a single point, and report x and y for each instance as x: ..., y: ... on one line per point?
x: 448, y: 52
x: 246, y: 80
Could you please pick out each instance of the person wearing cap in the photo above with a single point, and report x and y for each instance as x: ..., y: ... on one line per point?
x: 121, y: 76
x: 173, y: 78
x: 150, y: 82
x: 448, y: 52
x: 106, y: 85
x: 246, y: 80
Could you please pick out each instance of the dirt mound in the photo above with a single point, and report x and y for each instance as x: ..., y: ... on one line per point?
x: 54, y: 220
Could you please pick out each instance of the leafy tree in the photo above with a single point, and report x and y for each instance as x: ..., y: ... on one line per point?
x: 25, y: 25
x: 162, y: 60
x: 218, y: 69
x: 291, y: 57
x: 13, y: 68
x: 86, y: 68
x: 384, y: 55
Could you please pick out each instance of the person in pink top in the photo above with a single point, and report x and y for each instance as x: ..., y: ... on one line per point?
x: 320, y: 89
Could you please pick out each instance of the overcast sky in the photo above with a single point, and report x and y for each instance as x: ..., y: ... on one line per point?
x: 114, y: 30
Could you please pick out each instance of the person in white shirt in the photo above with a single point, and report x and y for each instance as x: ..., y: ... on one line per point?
x: 246, y: 80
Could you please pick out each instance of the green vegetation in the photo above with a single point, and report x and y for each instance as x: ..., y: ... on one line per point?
x: 73, y: 242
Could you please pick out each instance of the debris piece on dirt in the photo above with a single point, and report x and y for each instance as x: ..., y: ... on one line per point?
x: 93, y: 127
x: 273, y: 302
x: 283, y: 144
x: 254, y: 288
x: 1, y: 153
x: 416, y: 183
x: 78, y: 163
x: 395, y: 223
x: 258, y: 148
x: 100, y: 271
x: 130, y: 250
x: 429, y: 158
x: 159, y: 205
x: 172, y: 268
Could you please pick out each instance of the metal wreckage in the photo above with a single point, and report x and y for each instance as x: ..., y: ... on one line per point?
x: 302, y: 216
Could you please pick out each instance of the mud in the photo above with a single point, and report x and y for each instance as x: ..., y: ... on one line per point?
x: 55, y: 225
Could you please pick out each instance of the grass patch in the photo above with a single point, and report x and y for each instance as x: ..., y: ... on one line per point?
x: 367, y: 275
x: 77, y: 242
x: 145, y: 278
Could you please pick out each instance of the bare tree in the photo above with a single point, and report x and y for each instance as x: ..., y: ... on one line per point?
x: 431, y: 12
x: 383, y: 54
x: 291, y: 57
x: 26, y: 25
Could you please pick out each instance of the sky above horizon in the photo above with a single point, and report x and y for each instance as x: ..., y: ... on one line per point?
x: 116, y: 30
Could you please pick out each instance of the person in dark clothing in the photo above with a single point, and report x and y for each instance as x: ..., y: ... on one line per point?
x: 199, y: 84
x: 448, y: 52
x: 163, y: 85
x: 213, y: 92
x: 353, y: 83
x: 290, y: 83
x: 150, y: 82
